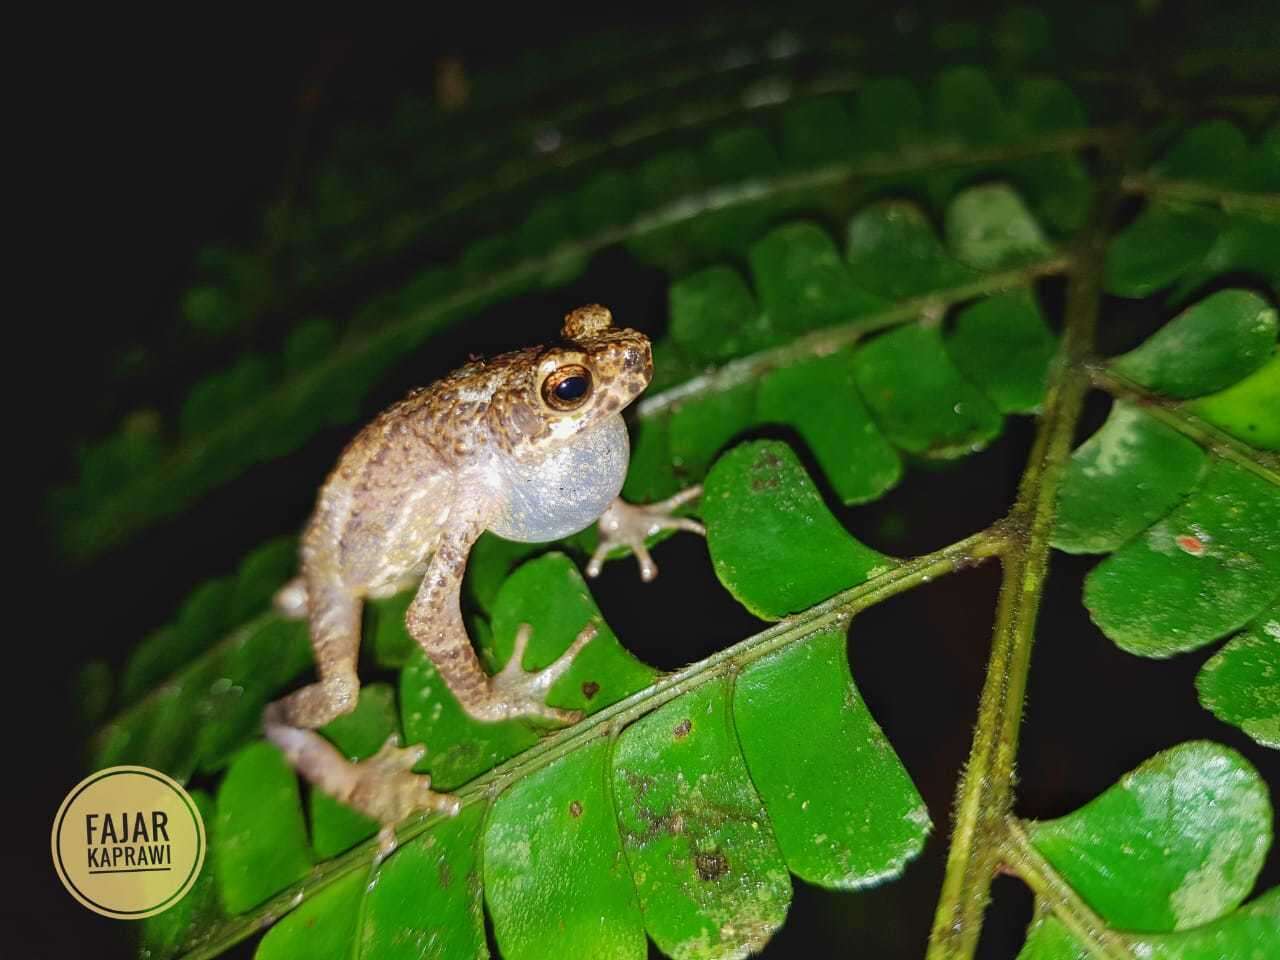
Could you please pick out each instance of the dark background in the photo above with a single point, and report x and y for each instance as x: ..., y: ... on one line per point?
x: 159, y: 138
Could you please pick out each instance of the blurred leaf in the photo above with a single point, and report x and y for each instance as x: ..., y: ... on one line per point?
x: 990, y: 228
x: 1002, y: 345
x: 1045, y: 104
x: 261, y: 574
x: 308, y: 345
x: 894, y: 252
x: 1159, y: 247
x: 888, y: 115
x: 259, y: 839
x: 740, y: 154
x: 700, y: 428
x: 1207, y: 347
x: 815, y: 132
x: 714, y: 316
x: 163, y: 934
x: 803, y: 283
x: 1245, y: 245
x: 1214, y: 152
x: 92, y: 691
x: 966, y: 107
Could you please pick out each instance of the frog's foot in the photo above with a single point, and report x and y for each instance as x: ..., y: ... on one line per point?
x: 516, y: 692
x: 628, y: 525
x: 385, y: 788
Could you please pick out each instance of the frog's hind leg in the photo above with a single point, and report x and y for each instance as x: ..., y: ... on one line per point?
x: 383, y: 786
x: 333, y: 614
x: 434, y: 620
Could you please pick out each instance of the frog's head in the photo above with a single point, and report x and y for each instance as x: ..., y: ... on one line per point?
x: 572, y: 386
x: 557, y: 421
x: 596, y: 371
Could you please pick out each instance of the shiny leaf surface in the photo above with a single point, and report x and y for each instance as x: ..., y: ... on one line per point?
x: 1176, y: 843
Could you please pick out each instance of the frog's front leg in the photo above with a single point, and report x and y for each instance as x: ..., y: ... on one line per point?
x: 630, y: 524
x: 434, y: 620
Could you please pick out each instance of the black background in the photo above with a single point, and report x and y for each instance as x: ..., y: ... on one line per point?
x: 155, y: 138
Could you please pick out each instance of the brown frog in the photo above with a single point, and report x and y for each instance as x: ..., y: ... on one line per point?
x: 530, y: 445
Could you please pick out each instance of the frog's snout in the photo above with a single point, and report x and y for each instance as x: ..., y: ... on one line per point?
x: 638, y: 358
x: 634, y: 359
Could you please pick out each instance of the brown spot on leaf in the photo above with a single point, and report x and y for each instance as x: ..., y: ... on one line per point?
x: 1191, y: 544
x: 711, y: 866
x: 575, y: 809
x: 590, y: 689
x: 445, y: 874
x: 682, y: 728
x: 765, y: 472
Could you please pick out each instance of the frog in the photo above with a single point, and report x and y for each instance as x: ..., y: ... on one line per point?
x: 530, y: 445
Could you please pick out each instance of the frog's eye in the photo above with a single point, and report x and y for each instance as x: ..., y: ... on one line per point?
x: 567, y: 388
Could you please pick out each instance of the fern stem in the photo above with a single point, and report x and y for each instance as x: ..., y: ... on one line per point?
x: 830, y: 339
x: 985, y: 792
x: 1176, y: 414
x: 1054, y: 892
x: 1233, y: 201
x: 830, y: 613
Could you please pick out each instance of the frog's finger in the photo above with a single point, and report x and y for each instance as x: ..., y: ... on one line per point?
x: 648, y: 569
x: 596, y: 563
x: 684, y: 523
x: 677, y: 500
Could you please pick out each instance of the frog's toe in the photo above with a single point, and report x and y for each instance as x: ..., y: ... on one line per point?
x: 564, y: 718
x: 523, y: 693
x: 392, y: 756
x: 385, y: 787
